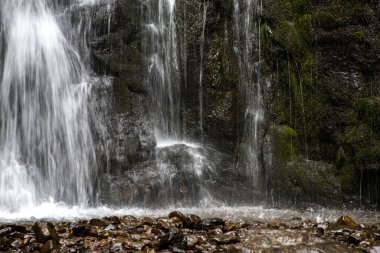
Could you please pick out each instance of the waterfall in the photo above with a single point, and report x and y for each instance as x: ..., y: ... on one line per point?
x: 202, y: 43
x: 183, y: 167
x: 163, y: 71
x: 247, y: 47
x: 46, y: 149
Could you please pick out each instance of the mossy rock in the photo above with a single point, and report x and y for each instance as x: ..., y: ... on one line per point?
x: 348, y: 177
x: 369, y: 111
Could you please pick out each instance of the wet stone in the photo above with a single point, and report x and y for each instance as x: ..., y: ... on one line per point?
x: 117, y: 246
x: 45, y: 231
x: 110, y: 227
x: 148, y: 221
x: 238, y: 249
x: 27, y: 239
x: 356, y: 237
x: 11, y: 229
x: 230, y: 226
x: 170, y: 239
x: 98, y: 223
x: 166, y: 235
x: 211, y: 223
x: 17, y: 243
x: 5, y: 243
x: 225, y: 238
x: 194, y: 219
x: 47, y: 246
x: 114, y: 219
x: 6, y: 231
x: 346, y: 221
x: 177, y: 250
x: 190, y: 241
x: 180, y: 217
x: 83, y: 230
x: 163, y: 225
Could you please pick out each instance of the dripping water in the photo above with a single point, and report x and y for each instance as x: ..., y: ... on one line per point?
x: 182, y: 166
x: 163, y: 71
x: 202, y: 42
x: 248, y: 48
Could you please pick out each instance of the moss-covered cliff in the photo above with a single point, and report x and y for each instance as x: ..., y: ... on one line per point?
x: 323, y: 58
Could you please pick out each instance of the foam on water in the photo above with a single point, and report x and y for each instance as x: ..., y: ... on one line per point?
x: 59, y: 211
x: 170, y: 143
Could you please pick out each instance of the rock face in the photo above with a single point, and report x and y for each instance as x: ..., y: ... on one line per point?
x: 133, y: 175
x: 321, y: 136
x: 323, y: 57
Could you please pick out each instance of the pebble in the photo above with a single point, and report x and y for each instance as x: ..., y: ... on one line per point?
x: 179, y: 232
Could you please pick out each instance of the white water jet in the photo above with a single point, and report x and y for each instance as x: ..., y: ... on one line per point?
x: 248, y: 50
x: 163, y: 70
x: 202, y: 43
x: 47, y: 149
x: 182, y: 166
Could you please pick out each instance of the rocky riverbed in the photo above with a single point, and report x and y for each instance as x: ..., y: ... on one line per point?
x: 178, y: 232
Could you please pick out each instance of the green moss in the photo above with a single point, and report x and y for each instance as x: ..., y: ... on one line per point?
x: 348, y: 178
x: 314, y: 94
x: 328, y: 18
x: 369, y: 111
x: 360, y: 35
x: 284, y: 137
x: 340, y: 158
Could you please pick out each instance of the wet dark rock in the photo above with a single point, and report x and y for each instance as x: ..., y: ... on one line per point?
x: 194, y: 218
x: 27, y: 239
x: 48, y: 246
x: 148, y: 221
x: 210, y: 223
x: 118, y: 246
x: 83, y: 230
x: 163, y: 225
x: 110, y: 227
x: 17, y: 243
x: 346, y: 221
x: 45, y: 231
x: 113, y: 219
x: 238, y: 249
x: 225, y: 238
x: 5, y: 231
x: 166, y: 236
x: 358, y: 236
x: 190, y: 241
x: 12, y: 228
x: 180, y: 217
x: 229, y: 226
x: 5, y: 243
x: 320, y: 231
x: 98, y: 223
x: 177, y: 250
x: 173, y: 238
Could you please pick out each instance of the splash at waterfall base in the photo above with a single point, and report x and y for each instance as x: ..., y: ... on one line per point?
x: 178, y: 232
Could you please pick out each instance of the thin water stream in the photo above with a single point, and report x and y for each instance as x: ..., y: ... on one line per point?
x: 248, y: 49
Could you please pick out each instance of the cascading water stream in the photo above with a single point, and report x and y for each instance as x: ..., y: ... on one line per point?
x: 47, y: 149
x: 247, y: 47
x: 202, y: 43
x: 163, y: 79
x: 182, y: 166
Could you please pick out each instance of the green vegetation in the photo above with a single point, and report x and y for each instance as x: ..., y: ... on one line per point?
x: 323, y: 89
